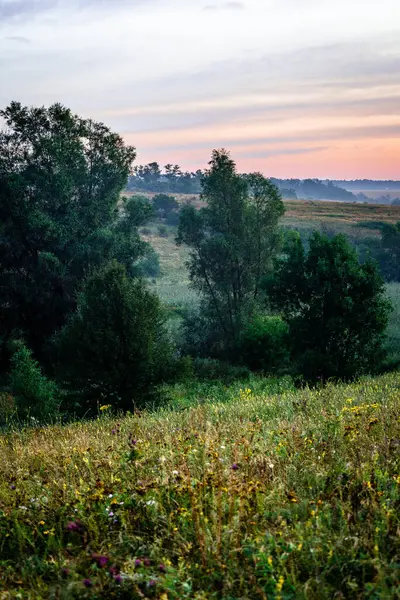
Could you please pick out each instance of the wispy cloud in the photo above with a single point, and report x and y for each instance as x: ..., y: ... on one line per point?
x: 225, y: 6
x: 273, y: 79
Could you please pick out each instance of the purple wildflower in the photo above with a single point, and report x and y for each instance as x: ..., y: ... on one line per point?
x: 147, y: 562
x: 101, y: 560
x: 13, y: 487
x: 87, y: 583
x: 152, y: 583
x: 74, y: 526
x: 162, y: 568
x: 118, y: 579
x: 138, y: 562
x: 235, y: 467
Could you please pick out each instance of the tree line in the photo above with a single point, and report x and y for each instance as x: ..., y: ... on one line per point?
x: 78, y: 325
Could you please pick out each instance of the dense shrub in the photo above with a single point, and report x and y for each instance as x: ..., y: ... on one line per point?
x: 335, y: 307
x: 34, y: 394
x: 165, y: 203
x: 114, y: 349
x: 264, y: 344
x: 217, y: 370
x: 162, y: 231
x: 150, y: 265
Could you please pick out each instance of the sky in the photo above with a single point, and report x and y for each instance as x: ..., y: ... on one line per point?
x: 293, y: 88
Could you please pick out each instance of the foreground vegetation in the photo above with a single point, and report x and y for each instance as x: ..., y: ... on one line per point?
x: 295, y: 495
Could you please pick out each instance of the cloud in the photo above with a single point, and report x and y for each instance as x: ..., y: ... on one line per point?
x: 225, y: 6
x: 19, y: 39
x: 280, y: 152
x: 23, y: 9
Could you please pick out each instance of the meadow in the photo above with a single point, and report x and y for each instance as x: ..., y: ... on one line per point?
x: 247, y: 493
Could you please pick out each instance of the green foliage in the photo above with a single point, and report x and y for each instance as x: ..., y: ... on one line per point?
x: 162, y: 231
x: 217, y: 370
x: 60, y: 183
x: 232, y: 242
x: 165, y: 203
x: 335, y: 307
x: 35, y: 395
x: 114, y: 348
x: 389, y: 258
x: 264, y: 344
x: 149, y: 266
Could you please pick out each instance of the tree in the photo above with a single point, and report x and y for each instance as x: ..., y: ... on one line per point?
x: 34, y: 394
x: 232, y: 242
x: 389, y: 257
x: 60, y: 183
x: 114, y: 348
x: 165, y: 203
x: 334, y: 306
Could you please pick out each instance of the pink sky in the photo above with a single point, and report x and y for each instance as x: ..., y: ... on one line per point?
x: 293, y: 88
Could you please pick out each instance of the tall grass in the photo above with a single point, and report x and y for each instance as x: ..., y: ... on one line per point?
x: 291, y: 495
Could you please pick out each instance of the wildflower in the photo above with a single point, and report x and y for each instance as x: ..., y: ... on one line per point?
x: 74, y: 526
x: 138, y: 562
x: 87, y: 583
x: 22, y: 508
x: 13, y: 487
x: 105, y: 407
x: 147, y: 562
x: 41, y: 522
x: 235, y: 467
x: 118, y: 579
x: 270, y: 561
x: 101, y: 560
x: 65, y: 572
x: 162, y: 568
x: 280, y: 583
x: 113, y: 431
x: 152, y: 583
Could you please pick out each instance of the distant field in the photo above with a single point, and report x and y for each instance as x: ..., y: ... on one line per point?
x: 349, y: 213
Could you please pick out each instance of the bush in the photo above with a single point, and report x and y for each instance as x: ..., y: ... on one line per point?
x: 165, y: 203
x: 172, y: 218
x: 162, y: 231
x: 264, y: 344
x: 34, y: 394
x: 216, y: 370
x: 150, y: 265
x: 146, y: 231
x: 334, y: 306
x: 114, y: 349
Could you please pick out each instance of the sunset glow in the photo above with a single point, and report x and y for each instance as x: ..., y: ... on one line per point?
x: 293, y: 89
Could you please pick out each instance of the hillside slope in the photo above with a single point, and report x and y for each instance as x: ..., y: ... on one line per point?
x: 289, y: 496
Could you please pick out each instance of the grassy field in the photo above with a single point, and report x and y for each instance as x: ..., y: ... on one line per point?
x: 243, y: 495
x: 355, y: 220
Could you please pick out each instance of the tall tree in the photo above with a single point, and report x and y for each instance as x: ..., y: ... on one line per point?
x: 114, y: 347
x: 232, y: 242
x: 60, y: 183
x: 334, y: 306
